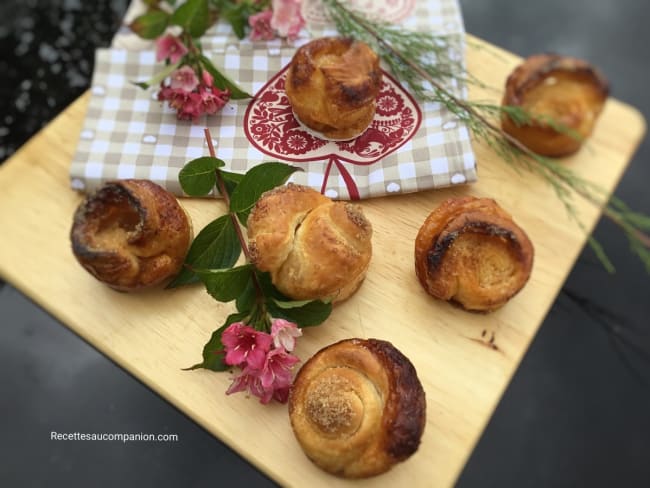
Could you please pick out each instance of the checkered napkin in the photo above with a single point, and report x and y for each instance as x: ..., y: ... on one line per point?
x: 127, y: 133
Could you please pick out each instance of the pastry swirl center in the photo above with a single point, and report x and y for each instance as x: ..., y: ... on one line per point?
x: 333, y: 405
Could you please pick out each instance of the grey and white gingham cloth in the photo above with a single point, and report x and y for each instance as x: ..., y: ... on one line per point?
x: 127, y: 133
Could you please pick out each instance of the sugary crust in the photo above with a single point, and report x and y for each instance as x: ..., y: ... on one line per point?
x: 357, y: 407
x: 566, y: 90
x: 131, y: 234
x: 313, y: 247
x: 332, y: 84
x: 470, y: 251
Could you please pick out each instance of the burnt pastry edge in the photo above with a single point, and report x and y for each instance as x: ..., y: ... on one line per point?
x: 533, y: 70
x: 355, y: 104
x: 404, y: 414
x: 97, y: 261
x: 302, y: 68
x: 457, y: 221
x: 537, y: 135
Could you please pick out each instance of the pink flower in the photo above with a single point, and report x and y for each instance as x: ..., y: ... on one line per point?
x: 284, y: 334
x: 287, y: 19
x: 207, y: 78
x: 249, y: 380
x: 212, y: 99
x: 260, y: 24
x: 170, y: 47
x: 273, y: 381
x: 276, y: 372
x: 190, y: 97
x: 184, y: 79
x: 245, y: 346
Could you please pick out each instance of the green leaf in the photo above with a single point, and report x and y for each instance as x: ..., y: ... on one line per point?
x: 256, y: 181
x: 268, y: 288
x: 198, y: 177
x: 246, y: 300
x: 213, y: 353
x: 216, y: 246
x: 237, y: 13
x: 158, y: 77
x: 237, y: 16
x: 221, y: 81
x: 225, y: 285
x: 289, y: 304
x: 193, y: 17
x: 231, y: 180
x: 313, y: 312
x: 150, y: 25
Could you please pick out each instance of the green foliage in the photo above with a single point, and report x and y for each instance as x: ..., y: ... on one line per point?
x: 221, y: 81
x: 255, y: 182
x: 158, y: 77
x: 305, y: 313
x: 198, y: 177
x: 236, y: 14
x: 226, y: 284
x: 193, y: 16
x: 151, y: 24
x: 216, y: 249
x: 230, y: 180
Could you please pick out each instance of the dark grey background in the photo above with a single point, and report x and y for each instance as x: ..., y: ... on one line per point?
x: 576, y: 414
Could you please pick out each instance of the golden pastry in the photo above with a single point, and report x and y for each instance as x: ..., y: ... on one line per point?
x: 357, y: 407
x: 568, y: 92
x: 470, y: 251
x: 332, y: 85
x: 313, y: 248
x: 131, y: 234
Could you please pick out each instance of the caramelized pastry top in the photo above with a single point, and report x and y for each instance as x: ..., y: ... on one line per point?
x: 568, y: 92
x: 470, y: 251
x: 131, y: 234
x: 313, y: 247
x: 332, y: 84
x: 357, y: 407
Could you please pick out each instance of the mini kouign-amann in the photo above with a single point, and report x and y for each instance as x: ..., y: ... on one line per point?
x: 313, y: 247
x: 562, y: 95
x: 332, y: 84
x: 470, y: 251
x: 131, y: 234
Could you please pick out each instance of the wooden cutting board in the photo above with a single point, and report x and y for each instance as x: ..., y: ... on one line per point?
x: 464, y: 360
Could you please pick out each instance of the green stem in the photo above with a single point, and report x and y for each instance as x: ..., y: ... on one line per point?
x: 259, y: 292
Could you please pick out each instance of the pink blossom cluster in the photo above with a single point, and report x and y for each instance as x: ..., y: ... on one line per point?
x: 265, y: 359
x: 190, y: 95
x: 283, y: 19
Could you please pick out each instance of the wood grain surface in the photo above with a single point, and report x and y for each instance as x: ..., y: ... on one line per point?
x: 464, y: 360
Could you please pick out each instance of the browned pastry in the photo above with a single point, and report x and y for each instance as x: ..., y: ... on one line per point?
x: 470, y: 251
x: 332, y: 84
x: 131, y: 234
x: 357, y: 408
x: 568, y: 92
x: 313, y: 247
